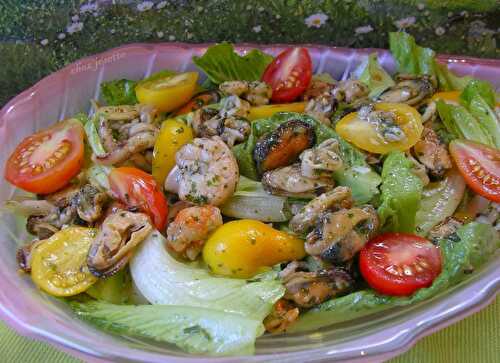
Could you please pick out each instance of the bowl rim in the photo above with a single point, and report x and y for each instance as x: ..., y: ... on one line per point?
x: 415, y: 329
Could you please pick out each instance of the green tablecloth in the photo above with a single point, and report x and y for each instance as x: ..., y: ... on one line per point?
x: 475, y: 339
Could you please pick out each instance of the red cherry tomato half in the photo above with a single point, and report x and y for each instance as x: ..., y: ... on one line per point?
x: 289, y: 74
x: 136, y: 188
x: 46, y: 161
x: 480, y: 166
x: 399, y: 263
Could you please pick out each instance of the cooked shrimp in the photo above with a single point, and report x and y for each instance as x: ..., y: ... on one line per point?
x: 190, y: 228
x: 206, y: 172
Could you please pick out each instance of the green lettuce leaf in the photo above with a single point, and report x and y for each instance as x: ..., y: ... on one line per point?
x: 473, y: 245
x: 221, y: 63
x: 97, y: 175
x: 192, y: 309
x: 479, y: 99
x: 401, y: 193
x: 116, y: 289
x: 440, y: 199
x: 193, y: 329
x: 478, y: 88
x: 251, y: 201
x: 461, y: 124
x: 448, y: 81
x: 374, y: 76
x: 413, y: 59
x: 119, y: 92
x: 163, y: 280
x: 356, y: 173
x: 93, y: 138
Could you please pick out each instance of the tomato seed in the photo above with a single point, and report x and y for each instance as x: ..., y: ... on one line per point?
x: 418, y: 267
x: 407, y: 270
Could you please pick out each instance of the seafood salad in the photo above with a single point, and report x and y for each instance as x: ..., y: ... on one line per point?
x: 205, y: 209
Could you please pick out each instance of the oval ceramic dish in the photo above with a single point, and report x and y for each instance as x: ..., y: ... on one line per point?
x: 34, y: 314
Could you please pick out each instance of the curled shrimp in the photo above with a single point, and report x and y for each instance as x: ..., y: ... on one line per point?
x: 206, y: 172
x: 186, y: 235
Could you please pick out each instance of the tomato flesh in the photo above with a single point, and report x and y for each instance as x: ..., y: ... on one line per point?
x: 173, y: 135
x: 289, y: 74
x: 138, y: 189
x: 399, y: 263
x: 480, y: 166
x: 167, y: 93
x: 59, y: 263
x: 46, y: 161
x: 364, y: 135
x: 265, y: 111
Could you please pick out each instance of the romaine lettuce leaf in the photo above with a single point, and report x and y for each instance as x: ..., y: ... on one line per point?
x: 165, y: 281
x: 461, y: 124
x: 98, y: 176
x: 116, y: 289
x: 440, y: 199
x: 93, y: 138
x: 479, y: 98
x: 356, y: 173
x: 221, y: 63
x: 447, y: 80
x: 413, y: 59
x: 401, y: 193
x: 251, y: 201
x: 193, y: 329
x: 374, y: 76
x: 478, y: 88
x: 119, y: 92
x: 474, y: 244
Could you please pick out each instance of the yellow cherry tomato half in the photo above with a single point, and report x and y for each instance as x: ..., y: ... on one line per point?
x: 173, y: 135
x: 451, y: 97
x: 167, y: 93
x: 59, y: 263
x: 245, y: 247
x: 364, y: 135
x: 265, y: 111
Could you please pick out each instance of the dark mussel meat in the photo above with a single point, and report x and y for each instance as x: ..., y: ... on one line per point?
x: 283, y: 146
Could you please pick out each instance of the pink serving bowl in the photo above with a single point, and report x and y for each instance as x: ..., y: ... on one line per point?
x: 373, y: 338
